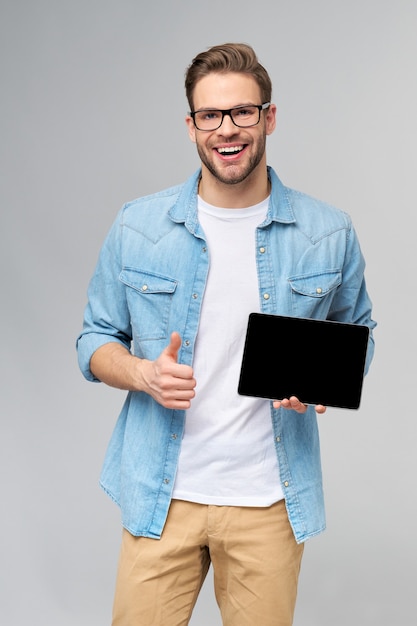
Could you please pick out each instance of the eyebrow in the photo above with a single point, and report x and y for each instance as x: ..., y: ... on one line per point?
x: 235, y: 106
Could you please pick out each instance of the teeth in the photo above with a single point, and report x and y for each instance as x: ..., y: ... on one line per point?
x: 231, y: 150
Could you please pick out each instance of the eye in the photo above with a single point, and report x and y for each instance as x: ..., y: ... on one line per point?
x: 208, y: 115
x: 244, y: 112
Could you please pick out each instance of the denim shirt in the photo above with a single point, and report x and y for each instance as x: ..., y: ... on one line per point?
x: 150, y: 281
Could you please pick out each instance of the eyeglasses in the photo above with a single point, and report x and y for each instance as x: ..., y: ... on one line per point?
x: 243, y: 117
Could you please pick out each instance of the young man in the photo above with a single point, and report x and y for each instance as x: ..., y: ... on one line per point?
x: 203, y: 475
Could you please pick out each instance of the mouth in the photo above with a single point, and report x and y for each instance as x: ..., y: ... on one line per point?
x: 230, y: 151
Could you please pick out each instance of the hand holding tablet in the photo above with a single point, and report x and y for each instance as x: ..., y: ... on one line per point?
x: 319, y: 362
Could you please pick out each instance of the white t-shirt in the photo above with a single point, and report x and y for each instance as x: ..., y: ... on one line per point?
x: 227, y: 454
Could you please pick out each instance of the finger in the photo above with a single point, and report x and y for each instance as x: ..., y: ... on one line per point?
x: 177, y: 398
x: 297, y: 405
x: 173, y: 347
x: 284, y: 403
x: 182, y: 373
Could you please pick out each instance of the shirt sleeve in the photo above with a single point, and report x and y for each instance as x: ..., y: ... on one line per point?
x: 352, y: 303
x: 106, y: 316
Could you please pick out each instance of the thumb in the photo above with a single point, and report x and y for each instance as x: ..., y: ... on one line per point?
x: 174, y: 345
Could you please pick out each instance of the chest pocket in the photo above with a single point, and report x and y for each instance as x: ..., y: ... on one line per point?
x: 149, y: 298
x: 311, y: 294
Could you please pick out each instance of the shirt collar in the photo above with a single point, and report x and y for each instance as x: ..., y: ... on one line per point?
x: 185, y: 208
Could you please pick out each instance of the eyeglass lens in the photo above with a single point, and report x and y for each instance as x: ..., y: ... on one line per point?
x: 213, y: 118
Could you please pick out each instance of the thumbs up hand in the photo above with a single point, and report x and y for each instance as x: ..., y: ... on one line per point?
x: 170, y: 383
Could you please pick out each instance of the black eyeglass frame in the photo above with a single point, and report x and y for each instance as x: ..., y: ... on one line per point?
x: 260, y: 107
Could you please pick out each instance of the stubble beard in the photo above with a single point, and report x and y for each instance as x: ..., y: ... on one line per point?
x: 233, y: 174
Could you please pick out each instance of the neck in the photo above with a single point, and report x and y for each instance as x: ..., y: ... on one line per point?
x: 249, y: 192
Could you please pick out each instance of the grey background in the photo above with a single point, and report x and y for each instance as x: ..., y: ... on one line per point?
x: 92, y: 108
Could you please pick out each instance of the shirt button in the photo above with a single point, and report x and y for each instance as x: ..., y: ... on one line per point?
x: 286, y: 483
x: 266, y: 296
x: 174, y: 435
x: 261, y: 250
x: 186, y: 343
x: 166, y: 481
x: 278, y: 439
x: 319, y: 290
x: 144, y: 287
x: 195, y: 296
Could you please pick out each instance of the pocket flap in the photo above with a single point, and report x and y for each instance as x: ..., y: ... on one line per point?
x: 145, y: 282
x: 316, y: 285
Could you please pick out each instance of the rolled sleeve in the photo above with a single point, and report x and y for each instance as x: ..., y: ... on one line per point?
x: 106, y: 316
x: 87, y: 344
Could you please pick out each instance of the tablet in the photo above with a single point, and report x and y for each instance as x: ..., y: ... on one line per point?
x: 318, y: 361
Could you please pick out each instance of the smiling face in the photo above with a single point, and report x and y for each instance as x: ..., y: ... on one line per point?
x: 231, y: 155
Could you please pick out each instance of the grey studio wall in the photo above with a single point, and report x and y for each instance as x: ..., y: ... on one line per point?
x: 92, y: 108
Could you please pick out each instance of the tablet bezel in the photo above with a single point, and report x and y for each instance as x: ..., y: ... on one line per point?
x: 318, y: 361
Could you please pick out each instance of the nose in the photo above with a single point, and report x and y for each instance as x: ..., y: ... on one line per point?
x: 227, y: 127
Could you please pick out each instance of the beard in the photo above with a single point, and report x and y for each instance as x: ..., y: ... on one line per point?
x: 233, y: 174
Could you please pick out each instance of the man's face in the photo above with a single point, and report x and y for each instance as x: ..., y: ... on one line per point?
x: 230, y: 153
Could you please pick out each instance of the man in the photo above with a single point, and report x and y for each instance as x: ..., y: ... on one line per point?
x: 203, y: 475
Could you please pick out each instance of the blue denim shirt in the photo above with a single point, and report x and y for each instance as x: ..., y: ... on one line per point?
x: 150, y: 281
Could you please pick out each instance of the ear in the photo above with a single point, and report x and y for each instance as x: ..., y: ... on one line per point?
x: 191, y: 128
x: 270, y: 119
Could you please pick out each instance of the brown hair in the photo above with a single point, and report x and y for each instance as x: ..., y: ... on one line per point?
x: 228, y: 57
